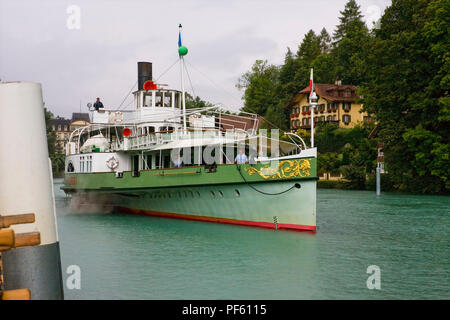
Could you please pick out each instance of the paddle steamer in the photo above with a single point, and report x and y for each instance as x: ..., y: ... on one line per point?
x: 162, y: 159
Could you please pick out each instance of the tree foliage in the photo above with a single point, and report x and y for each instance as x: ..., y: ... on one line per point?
x: 402, y: 73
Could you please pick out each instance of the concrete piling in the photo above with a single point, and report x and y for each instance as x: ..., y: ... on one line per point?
x: 26, y: 186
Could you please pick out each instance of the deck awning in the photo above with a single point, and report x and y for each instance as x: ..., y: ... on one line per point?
x: 285, y: 147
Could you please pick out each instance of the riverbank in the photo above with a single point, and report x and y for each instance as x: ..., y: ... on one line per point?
x: 368, y: 184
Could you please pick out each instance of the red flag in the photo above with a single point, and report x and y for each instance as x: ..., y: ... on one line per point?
x: 311, y: 83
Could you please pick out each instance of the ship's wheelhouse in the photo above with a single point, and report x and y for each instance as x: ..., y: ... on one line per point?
x: 157, y: 98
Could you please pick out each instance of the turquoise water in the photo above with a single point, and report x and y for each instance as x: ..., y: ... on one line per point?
x: 139, y: 257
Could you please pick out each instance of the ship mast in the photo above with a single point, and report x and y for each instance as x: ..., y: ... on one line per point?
x: 313, y: 105
x: 182, y: 51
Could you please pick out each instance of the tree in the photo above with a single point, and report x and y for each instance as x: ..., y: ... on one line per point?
x: 324, y: 41
x: 196, y: 102
x: 350, y: 19
x: 324, y: 68
x: 259, y: 85
x: 51, y: 135
x: 407, y: 88
x: 310, y: 48
x: 328, y: 163
x: 350, y: 46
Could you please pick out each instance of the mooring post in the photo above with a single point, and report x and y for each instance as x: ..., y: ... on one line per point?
x: 378, y: 181
x: 26, y: 186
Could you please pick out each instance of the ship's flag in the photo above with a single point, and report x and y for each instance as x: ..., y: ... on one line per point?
x: 179, y: 36
x: 311, y: 83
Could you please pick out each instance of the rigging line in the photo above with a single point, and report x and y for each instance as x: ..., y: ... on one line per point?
x: 127, y: 94
x: 120, y: 106
x: 215, y: 84
x: 296, y: 185
x: 167, y: 70
x: 190, y: 82
x: 232, y: 95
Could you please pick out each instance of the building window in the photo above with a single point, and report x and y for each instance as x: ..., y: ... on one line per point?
x: 332, y: 107
x: 346, y: 118
x: 346, y: 106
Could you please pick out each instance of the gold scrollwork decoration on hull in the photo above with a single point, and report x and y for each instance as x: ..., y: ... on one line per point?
x: 285, y: 169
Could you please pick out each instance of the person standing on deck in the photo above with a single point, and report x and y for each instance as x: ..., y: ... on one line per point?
x: 241, y: 157
x: 98, y: 104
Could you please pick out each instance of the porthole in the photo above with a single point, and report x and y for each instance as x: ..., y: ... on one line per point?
x: 237, y: 192
x: 221, y: 193
x: 213, y: 194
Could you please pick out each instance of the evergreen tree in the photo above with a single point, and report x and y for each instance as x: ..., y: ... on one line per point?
x: 350, y: 46
x: 350, y: 19
x: 309, y: 49
x: 324, y: 41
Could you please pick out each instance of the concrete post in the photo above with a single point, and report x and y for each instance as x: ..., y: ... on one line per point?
x: 378, y: 181
x: 26, y: 186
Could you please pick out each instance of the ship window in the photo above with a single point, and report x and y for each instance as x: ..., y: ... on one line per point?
x: 157, y: 161
x: 89, y: 164
x: 151, y: 129
x: 147, y: 164
x: 237, y: 192
x: 70, y: 167
x: 148, y: 97
x: 198, y: 193
x: 158, y: 100
x: 166, y: 161
x: 221, y: 193
x: 81, y: 164
x: 178, y: 100
x: 213, y: 194
x: 191, y: 194
x: 167, y: 99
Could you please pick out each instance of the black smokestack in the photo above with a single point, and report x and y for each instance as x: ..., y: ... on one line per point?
x: 144, y: 73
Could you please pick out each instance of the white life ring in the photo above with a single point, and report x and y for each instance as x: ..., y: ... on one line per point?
x: 112, y: 163
x: 118, y: 116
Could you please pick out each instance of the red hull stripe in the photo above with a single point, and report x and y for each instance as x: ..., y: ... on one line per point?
x: 269, y: 225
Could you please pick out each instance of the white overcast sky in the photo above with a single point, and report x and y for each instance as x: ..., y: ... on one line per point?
x: 224, y: 38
